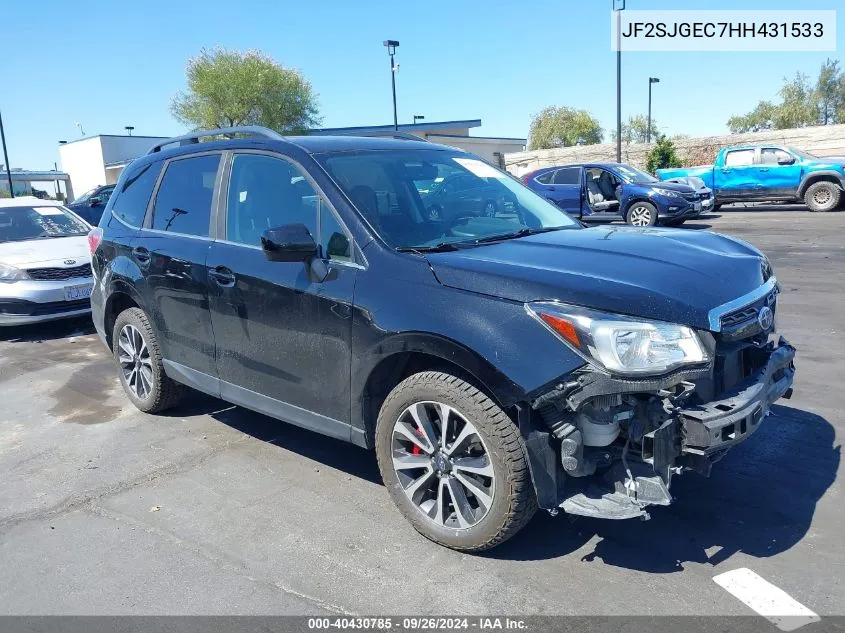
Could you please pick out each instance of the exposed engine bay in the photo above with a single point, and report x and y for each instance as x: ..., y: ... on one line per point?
x: 620, y: 441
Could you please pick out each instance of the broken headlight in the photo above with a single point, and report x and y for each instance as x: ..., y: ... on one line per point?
x: 621, y: 344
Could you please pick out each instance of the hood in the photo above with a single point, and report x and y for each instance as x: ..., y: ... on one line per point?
x: 46, y: 252
x: 663, y: 274
x: 666, y: 184
x: 691, y: 181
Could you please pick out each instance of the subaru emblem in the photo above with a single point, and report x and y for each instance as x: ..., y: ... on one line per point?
x: 765, y: 318
x: 70, y: 262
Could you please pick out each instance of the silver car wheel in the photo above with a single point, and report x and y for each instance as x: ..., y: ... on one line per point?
x: 822, y: 197
x: 641, y: 216
x: 135, y: 362
x: 443, y: 465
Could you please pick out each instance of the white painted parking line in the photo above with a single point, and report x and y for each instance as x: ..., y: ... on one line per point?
x: 772, y: 603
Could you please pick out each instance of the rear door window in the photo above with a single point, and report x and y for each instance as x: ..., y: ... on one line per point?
x: 739, y: 158
x: 567, y: 176
x: 130, y: 201
x: 183, y: 201
x: 546, y: 179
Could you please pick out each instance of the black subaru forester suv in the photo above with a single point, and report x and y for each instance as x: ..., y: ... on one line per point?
x: 494, y: 362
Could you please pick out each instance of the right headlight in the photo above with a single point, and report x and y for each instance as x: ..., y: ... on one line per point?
x: 667, y: 192
x: 621, y: 344
x: 9, y: 274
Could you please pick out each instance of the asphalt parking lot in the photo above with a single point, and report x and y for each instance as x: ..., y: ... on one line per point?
x: 216, y: 510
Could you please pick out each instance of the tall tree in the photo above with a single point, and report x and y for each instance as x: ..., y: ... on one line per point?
x: 563, y: 127
x: 229, y: 88
x: 635, y: 129
x: 830, y: 93
x: 802, y: 103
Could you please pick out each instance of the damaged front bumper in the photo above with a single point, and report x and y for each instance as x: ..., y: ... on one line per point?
x: 683, y: 437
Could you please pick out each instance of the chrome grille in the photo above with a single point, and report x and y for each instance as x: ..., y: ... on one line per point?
x: 55, y: 274
x: 748, y: 312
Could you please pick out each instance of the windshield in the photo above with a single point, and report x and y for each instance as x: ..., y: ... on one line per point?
x: 804, y: 155
x: 634, y: 175
x: 85, y: 195
x: 470, y: 201
x: 18, y: 224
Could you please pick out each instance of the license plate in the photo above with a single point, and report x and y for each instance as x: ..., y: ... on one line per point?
x: 697, y: 206
x: 82, y: 291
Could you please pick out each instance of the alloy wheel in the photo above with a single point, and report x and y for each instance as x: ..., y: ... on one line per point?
x: 135, y: 362
x: 822, y: 197
x: 640, y: 216
x: 443, y: 465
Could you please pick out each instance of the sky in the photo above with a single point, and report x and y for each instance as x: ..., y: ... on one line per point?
x: 111, y: 64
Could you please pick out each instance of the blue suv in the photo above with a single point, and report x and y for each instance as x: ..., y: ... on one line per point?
x: 605, y: 192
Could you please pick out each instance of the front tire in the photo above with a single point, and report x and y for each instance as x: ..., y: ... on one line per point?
x: 138, y: 357
x: 642, y: 214
x: 468, y: 488
x: 822, y: 196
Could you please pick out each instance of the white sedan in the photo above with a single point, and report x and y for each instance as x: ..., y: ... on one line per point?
x: 45, y: 264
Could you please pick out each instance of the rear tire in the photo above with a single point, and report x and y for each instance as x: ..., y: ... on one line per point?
x: 641, y: 214
x: 468, y: 510
x: 822, y: 196
x: 138, y: 357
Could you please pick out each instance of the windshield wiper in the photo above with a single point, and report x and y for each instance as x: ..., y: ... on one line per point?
x: 442, y: 247
x: 516, y: 234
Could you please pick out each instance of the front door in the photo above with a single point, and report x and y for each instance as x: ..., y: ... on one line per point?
x: 282, y: 336
x: 736, y: 179
x: 171, y: 249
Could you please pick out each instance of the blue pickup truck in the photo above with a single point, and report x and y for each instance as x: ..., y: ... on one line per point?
x: 762, y: 173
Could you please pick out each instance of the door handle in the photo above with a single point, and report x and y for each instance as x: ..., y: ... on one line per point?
x: 764, y: 169
x: 222, y: 276
x: 725, y: 170
x: 141, y: 254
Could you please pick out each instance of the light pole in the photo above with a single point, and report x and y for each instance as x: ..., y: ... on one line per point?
x: 6, y: 159
x: 619, y: 7
x: 418, y: 117
x: 651, y: 80
x: 391, y: 50
x: 129, y: 128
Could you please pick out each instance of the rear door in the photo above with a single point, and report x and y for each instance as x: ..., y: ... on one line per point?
x: 171, y: 250
x: 737, y: 178
x: 565, y: 189
x: 774, y: 179
x: 282, y: 336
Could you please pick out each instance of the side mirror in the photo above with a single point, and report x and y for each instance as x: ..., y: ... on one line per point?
x: 94, y: 201
x: 288, y: 243
x: 786, y: 160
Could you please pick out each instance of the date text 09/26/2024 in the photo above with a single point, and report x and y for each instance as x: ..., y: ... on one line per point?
x: 426, y: 623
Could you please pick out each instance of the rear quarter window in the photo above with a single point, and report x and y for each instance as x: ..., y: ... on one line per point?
x: 131, y: 197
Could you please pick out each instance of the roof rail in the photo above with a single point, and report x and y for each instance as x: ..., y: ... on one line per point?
x: 194, y: 137
x: 388, y: 134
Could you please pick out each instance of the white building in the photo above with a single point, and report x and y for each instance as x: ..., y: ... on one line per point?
x: 98, y: 160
